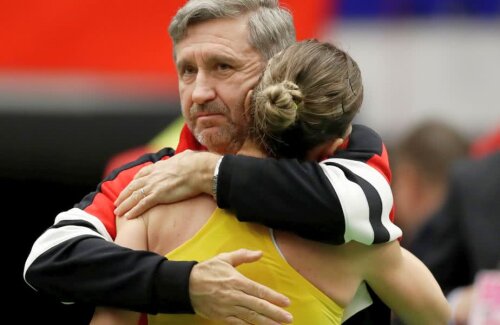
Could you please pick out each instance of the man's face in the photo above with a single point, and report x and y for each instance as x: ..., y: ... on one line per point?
x: 216, y: 68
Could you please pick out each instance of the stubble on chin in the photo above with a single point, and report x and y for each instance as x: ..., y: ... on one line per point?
x: 222, y: 140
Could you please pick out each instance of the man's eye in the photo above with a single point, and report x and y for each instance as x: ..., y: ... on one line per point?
x: 224, y: 66
x: 187, y: 70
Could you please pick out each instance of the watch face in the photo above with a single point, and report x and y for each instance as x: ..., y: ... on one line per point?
x: 214, y: 178
x: 214, y: 187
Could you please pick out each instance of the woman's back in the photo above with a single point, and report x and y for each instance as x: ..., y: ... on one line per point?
x: 327, y: 276
x: 169, y: 226
x: 319, y: 279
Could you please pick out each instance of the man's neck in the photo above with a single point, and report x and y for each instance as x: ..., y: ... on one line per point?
x: 250, y: 148
x: 188, y: 141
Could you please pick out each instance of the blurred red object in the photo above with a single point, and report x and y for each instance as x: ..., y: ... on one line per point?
x: 114, y: 36
x: 486, y: 144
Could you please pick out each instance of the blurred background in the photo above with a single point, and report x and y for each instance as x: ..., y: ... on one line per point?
x: 81, y: 81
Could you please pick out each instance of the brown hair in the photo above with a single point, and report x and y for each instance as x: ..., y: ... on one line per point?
x: 308, y: 93
x: 432, y: 146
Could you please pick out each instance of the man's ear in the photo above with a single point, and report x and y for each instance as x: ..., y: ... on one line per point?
x: 247, y: 104
x: 327, y: 148
x: 331, y: 146
x: 335, y: 144
x: 348, y: 131
x: 324, y: 150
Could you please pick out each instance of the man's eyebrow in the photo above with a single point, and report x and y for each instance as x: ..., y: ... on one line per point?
x: 181, y: 63
x: 218, y: 58
x: 210, y: 60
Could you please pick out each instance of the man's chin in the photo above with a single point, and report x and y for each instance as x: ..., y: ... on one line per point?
x: 209, y: 133
x: 220, y: 140
x: 212, y: 138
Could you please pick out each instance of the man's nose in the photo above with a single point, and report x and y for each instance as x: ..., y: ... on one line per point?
x: 204, y: 89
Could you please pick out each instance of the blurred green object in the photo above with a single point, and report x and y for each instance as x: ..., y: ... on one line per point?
x: 169, y: 137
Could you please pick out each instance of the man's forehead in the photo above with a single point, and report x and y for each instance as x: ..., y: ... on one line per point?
x: 228, y: 27
x: 207, y: 51
x: 215, y: 50
x: 230, y: 32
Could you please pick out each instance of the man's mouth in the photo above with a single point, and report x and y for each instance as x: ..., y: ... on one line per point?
x: 208, y: 117
x: 203, y: 114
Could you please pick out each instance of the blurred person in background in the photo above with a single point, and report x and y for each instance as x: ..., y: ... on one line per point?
x: 461, y: 240
x: 421, y: 162
x: 486, y: 144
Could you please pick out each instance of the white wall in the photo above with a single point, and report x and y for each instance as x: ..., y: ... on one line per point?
x: 414, y: 70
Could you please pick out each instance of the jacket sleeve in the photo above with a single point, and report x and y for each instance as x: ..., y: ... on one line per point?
x: 440, y: 246
x: 75, y: 260
x: 345, y: 197
x: 462, y: 237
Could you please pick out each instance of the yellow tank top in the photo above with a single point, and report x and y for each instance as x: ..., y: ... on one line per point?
x: 222, y: 233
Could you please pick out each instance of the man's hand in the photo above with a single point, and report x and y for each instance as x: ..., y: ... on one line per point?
x: 220, y: 292
x: 178, y: 178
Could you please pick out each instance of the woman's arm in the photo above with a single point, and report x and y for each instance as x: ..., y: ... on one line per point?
x: 131, y: 234
x: 404, y: 284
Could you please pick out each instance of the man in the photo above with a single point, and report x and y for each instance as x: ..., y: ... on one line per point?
x: 421, y: 163
x: 471, y: 214
x: 212, y: 96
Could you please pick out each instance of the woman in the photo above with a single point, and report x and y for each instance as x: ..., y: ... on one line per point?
x: 302, y: 108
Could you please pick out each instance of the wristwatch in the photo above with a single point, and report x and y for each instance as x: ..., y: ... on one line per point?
x: 214, y: 178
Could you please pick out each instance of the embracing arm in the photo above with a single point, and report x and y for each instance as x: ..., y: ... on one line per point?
x: 131, y: 234
x: 344, y: 198
x: 404, y: 284
x: 83, y: 268
x: 76, y: 261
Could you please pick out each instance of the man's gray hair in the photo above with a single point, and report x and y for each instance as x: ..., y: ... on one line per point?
x: 270, y: 26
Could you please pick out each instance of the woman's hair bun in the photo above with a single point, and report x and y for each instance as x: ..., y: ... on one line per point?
x: 280, y: 105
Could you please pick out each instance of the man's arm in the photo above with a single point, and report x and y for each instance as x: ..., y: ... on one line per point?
x: 83, y: 267
x: 131, y: 234
x: 344, y: 198
x: 75, y: 260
